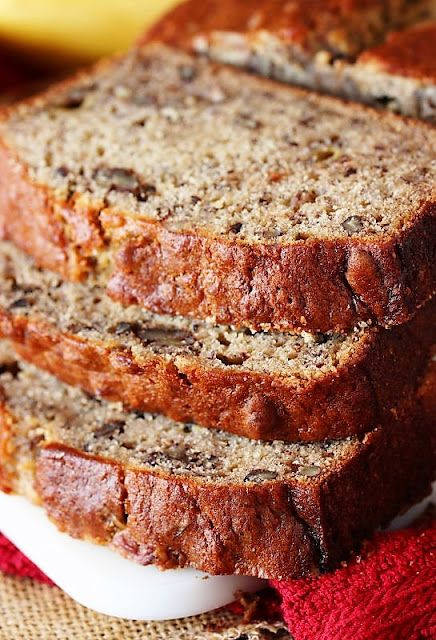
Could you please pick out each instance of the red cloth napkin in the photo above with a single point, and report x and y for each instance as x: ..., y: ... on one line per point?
x: 386, y: 593
x: 14, y: 563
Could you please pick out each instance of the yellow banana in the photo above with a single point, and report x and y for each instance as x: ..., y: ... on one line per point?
x: 76, y: 30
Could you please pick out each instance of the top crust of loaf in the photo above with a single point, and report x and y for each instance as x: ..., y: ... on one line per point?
x: 341, y: 28
x: 320, y: 215
x: 410, y: 53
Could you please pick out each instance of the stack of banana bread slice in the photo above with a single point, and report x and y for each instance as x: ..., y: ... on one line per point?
x: 216, y: 306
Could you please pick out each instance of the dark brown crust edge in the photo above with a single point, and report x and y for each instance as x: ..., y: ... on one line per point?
x: 273, y: 530
x: 318, y: 285
x: 384, y: 371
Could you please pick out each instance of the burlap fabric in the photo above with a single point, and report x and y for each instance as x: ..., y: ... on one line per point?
x: 30, y: 610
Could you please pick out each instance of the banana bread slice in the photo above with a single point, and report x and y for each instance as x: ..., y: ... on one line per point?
x: 182, y: 495
x: 347, y: 49
x: 260, y: 385
x: 201, y: 190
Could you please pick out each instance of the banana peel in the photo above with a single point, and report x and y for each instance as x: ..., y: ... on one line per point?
x: 63, y: 32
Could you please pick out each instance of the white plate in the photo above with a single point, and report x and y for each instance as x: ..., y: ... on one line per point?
x: 104, y: 581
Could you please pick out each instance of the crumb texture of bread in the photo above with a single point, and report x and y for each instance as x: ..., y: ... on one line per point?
x: 179, y: 495
x: 321, y: 216
x: 293, y: 386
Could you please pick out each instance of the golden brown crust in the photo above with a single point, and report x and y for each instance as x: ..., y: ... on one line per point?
x: 58, y: 236
x: 97, y: 510
x: 384, y: 368
x: 38, y: 231
x: 274, y: 530
x: 7, y: 466
x: 410, y: 53
x: 318, y: 285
